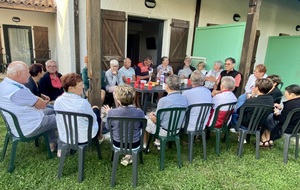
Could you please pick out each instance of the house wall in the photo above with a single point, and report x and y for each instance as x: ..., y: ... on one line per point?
x: 276, y: 16
x: 29, y: 18
x: 65, y: 39
x: 165, y: 10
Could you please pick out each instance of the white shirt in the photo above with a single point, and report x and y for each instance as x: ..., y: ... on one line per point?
x: 251, y: 83
x: 74, y: 103
x: 125, y: 72
x: 19, y: 100
x: 216, y: 74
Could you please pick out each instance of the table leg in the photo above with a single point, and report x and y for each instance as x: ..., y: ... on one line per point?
x: 145, y: 103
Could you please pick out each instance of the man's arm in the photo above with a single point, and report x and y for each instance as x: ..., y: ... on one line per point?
x: 41, y: 103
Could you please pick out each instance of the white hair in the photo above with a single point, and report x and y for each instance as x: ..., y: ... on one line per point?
x: 14, y: 67
x: 114, y: 62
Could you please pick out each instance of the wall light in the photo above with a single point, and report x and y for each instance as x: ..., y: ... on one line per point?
x: 236, y: 17
x: 298, y: 28
x: 150, y: 4
x: 16, y: 19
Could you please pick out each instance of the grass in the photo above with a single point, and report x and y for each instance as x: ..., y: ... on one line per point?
x: 34, y: 170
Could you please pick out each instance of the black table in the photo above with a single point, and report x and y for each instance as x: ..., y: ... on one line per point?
x: 157, y: 88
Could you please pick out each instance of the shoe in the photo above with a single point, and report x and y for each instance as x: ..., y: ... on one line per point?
x: 126, y: 160
x: 157, y: 144
x: 144, y: 148
x: 58, y: 153
x: 53, y: 147
x: 106, y: 136
x: 232, y: 130
x: 244, y: 140
x: 101, y: 140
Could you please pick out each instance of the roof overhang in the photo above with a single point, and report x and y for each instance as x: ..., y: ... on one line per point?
x: 29, y: 5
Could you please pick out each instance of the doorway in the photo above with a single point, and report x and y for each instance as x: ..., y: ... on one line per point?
x: 18, y: 43
x: 144, y: 37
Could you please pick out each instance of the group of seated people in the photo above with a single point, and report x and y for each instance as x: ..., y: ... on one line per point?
x: 216, y: 87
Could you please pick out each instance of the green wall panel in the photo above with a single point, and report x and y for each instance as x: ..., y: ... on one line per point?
x: 283, y: 58
x: 219, y: 42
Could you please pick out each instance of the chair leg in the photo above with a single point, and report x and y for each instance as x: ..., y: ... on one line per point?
x: 47, y: 145
x: 204, y: 144
x: 227, y: 138
x: 191, y: 137
x: 6, y: 140
x: 257, y: 139
x: 11, y: 166
x: 297, y: 147
x: 218, y: 136
x: 81, y: 156
x: 114, y: 168
x: 98, y: 149
x: 162, y: 153
x: 134, y: 169
x: 36, y: 141
x: 286, y: 149
x: 241, y: 143
x: 141, y: 157
x: 64, y: 149
x: 177, y: 141
x: 148, y: 143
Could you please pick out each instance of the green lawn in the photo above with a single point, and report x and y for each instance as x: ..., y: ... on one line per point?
x: 34, y: 170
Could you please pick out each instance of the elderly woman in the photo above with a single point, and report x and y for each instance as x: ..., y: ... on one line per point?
x: 72, y: 101
x: 185, y: 71
x: 164, y: 68
x: 275, y: 121
x: 50, y: 83
x: 213, y: 75
x: 258, y: 73
x: 201, y: 68
x: 124, y: 94
x: 275, y: 92
x: 112, y: 78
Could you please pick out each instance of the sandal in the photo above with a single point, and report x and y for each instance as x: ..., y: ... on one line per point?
x: 271, y: 142
x: 157, y: 145
x: 264, y: 144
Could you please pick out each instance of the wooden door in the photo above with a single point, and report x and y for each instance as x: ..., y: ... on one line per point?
x: 178, y: 43
x: 1, y: 48
x: 41, y: 44
x: 113, y: 37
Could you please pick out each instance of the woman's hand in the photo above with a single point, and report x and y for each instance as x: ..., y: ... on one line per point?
x: 106, y: 108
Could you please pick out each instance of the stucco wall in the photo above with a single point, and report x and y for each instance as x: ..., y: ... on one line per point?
x: 65, y: 39
x: 31, y: 19
x: 276, y: 16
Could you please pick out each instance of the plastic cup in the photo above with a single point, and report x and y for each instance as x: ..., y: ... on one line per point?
x: 136, y: 84
x: 189, y: 82
x: 128, y: 80
x: 150, y: 85
x: 142, y: 86
x: 138, y: 80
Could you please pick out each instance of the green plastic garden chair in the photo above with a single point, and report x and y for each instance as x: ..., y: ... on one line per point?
x: 260, y: 112
x: 202, y: 111
x: 125, y: 129
x: 71, y: 128
x: 228, y: 109
x: 175, y: 122
x: 295, y: 133
x: 9, y: 116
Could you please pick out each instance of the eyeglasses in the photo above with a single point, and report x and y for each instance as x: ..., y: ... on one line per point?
x: 51, y: 66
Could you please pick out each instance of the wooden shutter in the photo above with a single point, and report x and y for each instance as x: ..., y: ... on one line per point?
x: 113, y: 37
x: 1, y: 48
x: 41, y: 44
x: 178, y: 43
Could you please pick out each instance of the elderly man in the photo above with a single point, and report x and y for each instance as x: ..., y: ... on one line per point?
x: 173, y: 99
x: 126, y: 72
x: 224, y: 97
x: 213, y: 75
x: 30, y: 110
x: 50, y: 83
x: 186, y: 70
x: 229, y: 71
x: 197, y: 95
x: 143, y: 68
